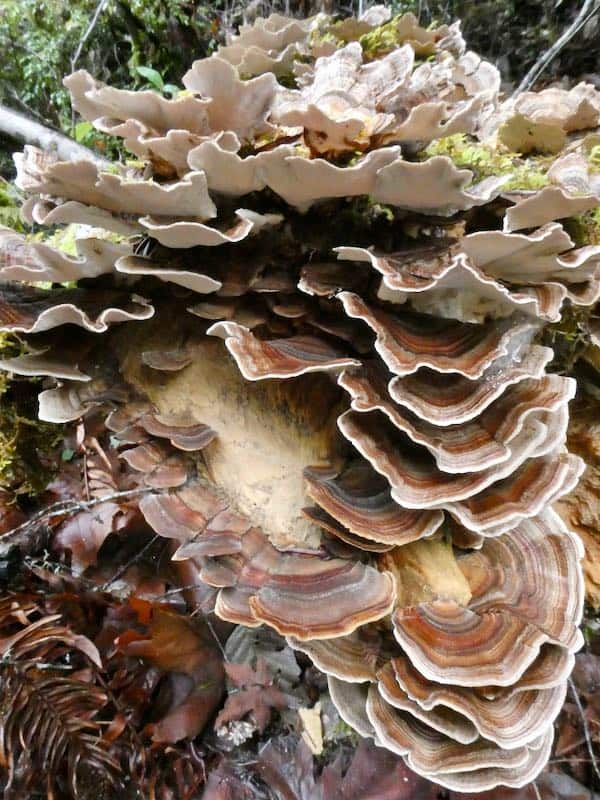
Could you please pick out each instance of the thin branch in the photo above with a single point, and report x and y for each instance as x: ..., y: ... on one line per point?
x: 99, y: 9
x: 123, y: 569
x: 587, y: 11
x: 29, y: 111
x: 63, y: 508
x: 586, y: 730
x: 24, y: 129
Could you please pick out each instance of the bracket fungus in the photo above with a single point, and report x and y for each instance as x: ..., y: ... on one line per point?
x: 352, y: 428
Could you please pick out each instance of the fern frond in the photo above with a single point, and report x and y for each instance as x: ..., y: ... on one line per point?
x: 48, y: 728
x: 50, y: 736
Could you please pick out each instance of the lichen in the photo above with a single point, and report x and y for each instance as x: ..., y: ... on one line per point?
x: 486, y: 161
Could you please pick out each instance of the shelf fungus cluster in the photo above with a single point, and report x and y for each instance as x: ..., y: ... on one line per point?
x: 331, y: 376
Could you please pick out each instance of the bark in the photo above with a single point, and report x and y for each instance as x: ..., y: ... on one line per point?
x: 17, y: 126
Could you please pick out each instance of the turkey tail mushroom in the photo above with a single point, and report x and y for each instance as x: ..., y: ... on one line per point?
x: 339, y: 413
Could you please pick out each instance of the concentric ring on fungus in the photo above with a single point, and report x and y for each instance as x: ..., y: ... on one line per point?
x: 352, y: 436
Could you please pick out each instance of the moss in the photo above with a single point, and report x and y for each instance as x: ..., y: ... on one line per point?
x: 320, y: 37
x: 387, y: 37
x: 10, y: 207
x: 363, y: 212
x: 584, y: 228
x: 380, y: 40
x: 486, y: 161
x: 64, y: 239
x: 28, y: 448
x: 569, y: 338
x: 375, y: 44
x: 594, y: 158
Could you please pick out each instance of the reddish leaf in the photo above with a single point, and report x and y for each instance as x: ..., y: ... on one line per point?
x: 223, y: 784
x: 288, y: 768
x: 257, y: 695
x: 84, y: 534
x: 183, y: 649
x: 375, y: 774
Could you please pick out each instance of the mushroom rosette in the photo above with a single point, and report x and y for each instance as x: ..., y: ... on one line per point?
x: 341, y: 402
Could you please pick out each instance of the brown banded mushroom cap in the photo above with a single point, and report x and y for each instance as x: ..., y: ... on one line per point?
x: 279, y: 358
x: 394, y: 181
x: 296, y: 179
x: 360, y: 498
x: 84, y: 182
x: 509, y: 719
x: 415, y: 480
x: 28, y: 310
x: 411, y: 341
x: 73, y: 399
x: 472, y: 446
x: 107, y: 107
x: 185, y: 234
x: 138, y: 266
x: 430, y: 752
x: 354, y: 658
x: 268, y: 45
x: 451, y: 399
x: 40, y: 364
x: 351, y: 701
x: 527, y: 491
x: 549, y: 204
x: 454, y: 287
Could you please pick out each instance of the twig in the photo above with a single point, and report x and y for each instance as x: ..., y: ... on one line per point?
x: 571, y: 746
x: 98, y: 448
x: 178, y: 590
x: 586, y: 730
x: 99, y: 9
x: 215, y: 637
x: 85, y: 476
x: 67, y: 507
x: 587, y: 11
x: 123, y: 569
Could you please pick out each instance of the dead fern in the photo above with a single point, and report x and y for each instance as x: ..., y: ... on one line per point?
x: 50, y: 736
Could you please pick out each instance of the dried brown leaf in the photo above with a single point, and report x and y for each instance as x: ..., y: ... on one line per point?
x: 256, y: 695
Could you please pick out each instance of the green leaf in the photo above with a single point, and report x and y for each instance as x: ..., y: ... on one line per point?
x: 170, y: 88
x: 67, y: 454
x: 83, y: 129
x: 152, y: 76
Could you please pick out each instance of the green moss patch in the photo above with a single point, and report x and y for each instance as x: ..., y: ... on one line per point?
x: 29, y: 449
x: 486, y: 161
